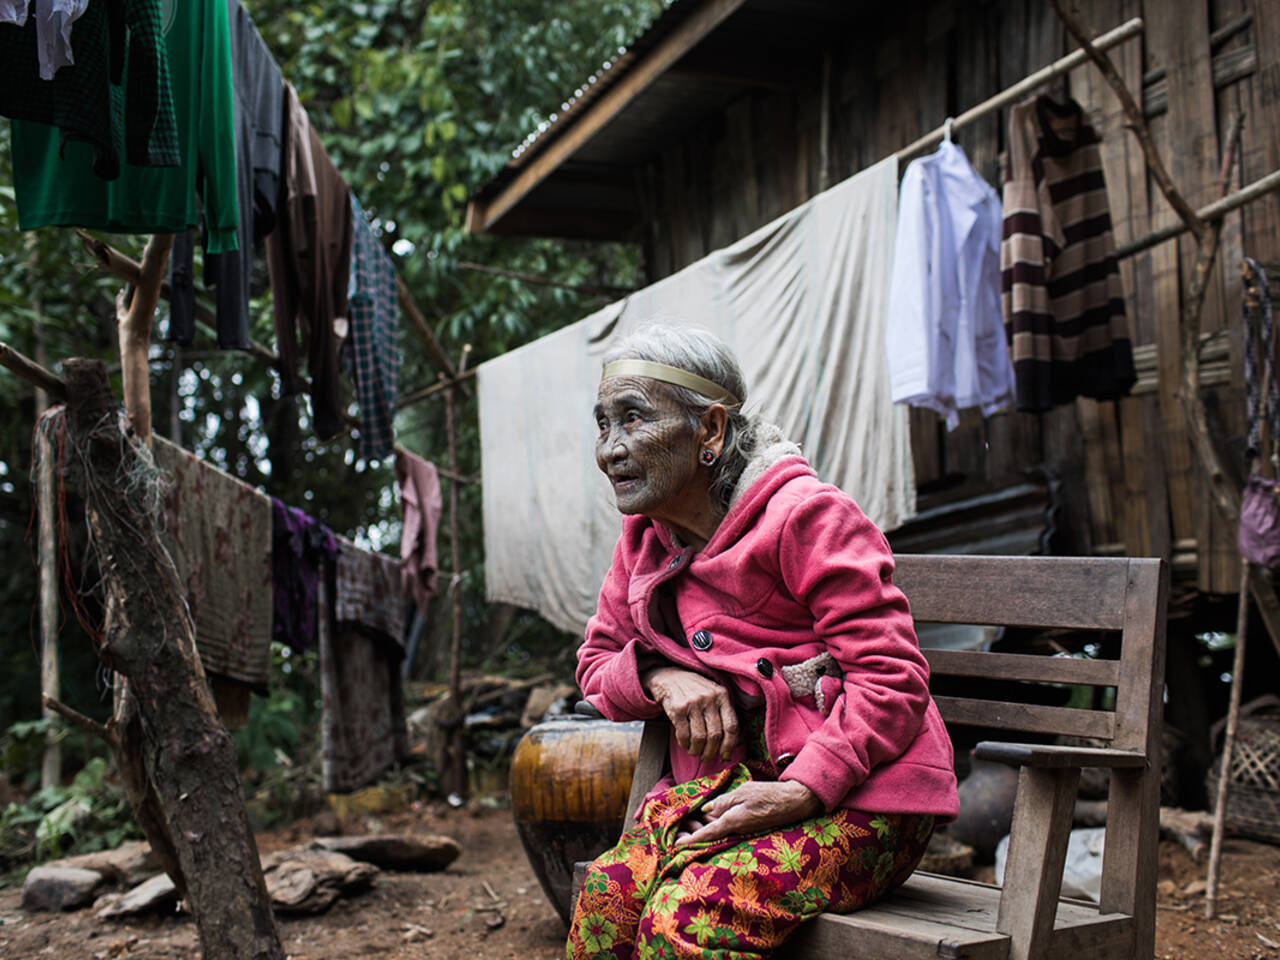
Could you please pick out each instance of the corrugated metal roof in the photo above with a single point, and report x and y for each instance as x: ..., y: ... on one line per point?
x: 764, y: 42
x: 606, y: 76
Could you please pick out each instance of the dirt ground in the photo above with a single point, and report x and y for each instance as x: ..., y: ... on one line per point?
x: 489, y: 905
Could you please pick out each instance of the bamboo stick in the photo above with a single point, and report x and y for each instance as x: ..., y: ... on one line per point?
x: 1228, y: 744
x: 420, y: 324
x: 412, y: 398
x: 1130, y: 28
x: 1208, y: 213
x: 457, y: 759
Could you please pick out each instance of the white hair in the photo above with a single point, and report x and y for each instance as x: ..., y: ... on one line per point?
x: 703, y: 353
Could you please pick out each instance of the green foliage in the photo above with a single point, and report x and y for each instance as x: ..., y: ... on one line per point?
x: 90, y: 814
x: 419, y: 105
x: 281, y: 725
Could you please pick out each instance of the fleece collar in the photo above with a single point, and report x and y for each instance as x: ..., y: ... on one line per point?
x: 776, y: 461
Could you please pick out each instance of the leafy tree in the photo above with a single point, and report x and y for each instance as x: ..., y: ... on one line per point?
x: 419, y: 104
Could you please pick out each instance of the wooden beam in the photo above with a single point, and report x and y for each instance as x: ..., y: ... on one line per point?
x: 483, y: 214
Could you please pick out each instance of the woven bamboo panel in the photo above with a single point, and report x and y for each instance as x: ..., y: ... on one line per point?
x: 1253, y: 801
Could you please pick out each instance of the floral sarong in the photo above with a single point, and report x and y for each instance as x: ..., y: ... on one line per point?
x: 739, y: 897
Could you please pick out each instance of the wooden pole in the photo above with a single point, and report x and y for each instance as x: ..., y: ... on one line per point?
x: 134, y: 322
x: 51, y: 770
x: 458, y: 757
x: 47, y: 553
x: 1213, y: 211
x: 198, y: 823
x: 1130, y: 28
x: 1207, y: 233
x: 1228, y: 744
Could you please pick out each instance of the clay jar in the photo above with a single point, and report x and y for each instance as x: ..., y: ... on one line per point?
x: 570, y: 779
x: 986, y: 807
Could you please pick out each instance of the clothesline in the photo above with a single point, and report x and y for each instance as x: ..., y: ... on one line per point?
x: 1128, y: 29
x: 1125, y: 31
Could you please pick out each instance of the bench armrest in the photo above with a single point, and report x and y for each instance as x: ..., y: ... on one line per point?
x: 1047, y: 755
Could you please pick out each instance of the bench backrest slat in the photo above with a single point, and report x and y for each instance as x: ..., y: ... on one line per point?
x: 1021, y: 666
x: 1069, y: 592
x: 1095, y: 593
x: 1027, y: 717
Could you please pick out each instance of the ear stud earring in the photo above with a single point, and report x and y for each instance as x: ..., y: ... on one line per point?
x: 708, y: 458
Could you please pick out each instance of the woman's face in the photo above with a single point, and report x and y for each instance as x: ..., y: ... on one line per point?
x: 647, y: 447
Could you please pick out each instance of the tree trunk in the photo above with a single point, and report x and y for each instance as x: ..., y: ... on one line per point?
x: 168, y: 713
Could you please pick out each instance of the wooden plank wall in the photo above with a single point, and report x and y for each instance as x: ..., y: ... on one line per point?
x: 1129, y: 478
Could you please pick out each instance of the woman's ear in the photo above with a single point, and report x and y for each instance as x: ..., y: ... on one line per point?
x: 714, y: 429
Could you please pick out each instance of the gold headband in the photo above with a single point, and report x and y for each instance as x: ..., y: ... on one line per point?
x: 669, y: 374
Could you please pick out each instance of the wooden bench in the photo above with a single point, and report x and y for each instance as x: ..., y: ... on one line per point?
x: 935, y: 916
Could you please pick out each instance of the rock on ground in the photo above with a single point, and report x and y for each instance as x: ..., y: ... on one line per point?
x: 152, y: 894
x: 128, y: 864
x: 51, y: 887
x: 306, y: 880
x: 424, y: 851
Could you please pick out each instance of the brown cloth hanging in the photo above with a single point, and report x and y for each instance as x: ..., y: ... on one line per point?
x: 309, y: 263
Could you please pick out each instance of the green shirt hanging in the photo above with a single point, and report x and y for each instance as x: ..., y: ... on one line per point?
x: 60, y: 189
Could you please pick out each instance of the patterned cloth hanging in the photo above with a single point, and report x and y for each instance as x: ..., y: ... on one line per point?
x: 371, y: 350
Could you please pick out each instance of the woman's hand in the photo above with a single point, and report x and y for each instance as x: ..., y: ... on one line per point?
x: 700, y: 710
x: 751, y: 808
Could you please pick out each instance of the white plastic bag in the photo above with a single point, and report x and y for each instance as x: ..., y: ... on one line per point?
x: 1082, y: 872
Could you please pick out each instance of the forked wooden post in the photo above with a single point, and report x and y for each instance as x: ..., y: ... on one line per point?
x: 134, y: 321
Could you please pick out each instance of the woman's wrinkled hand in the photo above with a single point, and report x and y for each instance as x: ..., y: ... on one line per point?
x: 751, y: 808
x: 700, y: 710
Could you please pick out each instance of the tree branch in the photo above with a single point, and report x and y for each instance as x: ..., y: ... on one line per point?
x: 99, y: 730
x: 32, y: 372
x: 129, y: 270
x: 591, y: 289
x: 1133, y: 114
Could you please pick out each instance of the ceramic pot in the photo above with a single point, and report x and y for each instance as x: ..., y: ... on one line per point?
x: 570, y: 780
x: 986, y: 807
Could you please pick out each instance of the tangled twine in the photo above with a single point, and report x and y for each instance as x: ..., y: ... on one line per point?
x: 143, y: 484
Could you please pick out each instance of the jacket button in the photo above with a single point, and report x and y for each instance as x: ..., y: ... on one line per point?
x: 764, y: 668
x: 675, y: 562
x: 701, y: 640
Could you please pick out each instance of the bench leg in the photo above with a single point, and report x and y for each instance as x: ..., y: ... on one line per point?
x: 1129, y: 870
x: 580, y: 868
x: 1037, y: 852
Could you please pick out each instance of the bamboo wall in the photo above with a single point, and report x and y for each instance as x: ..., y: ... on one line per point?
x: 1128, y: 477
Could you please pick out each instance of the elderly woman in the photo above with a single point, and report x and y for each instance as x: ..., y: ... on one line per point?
x: 753, y: 605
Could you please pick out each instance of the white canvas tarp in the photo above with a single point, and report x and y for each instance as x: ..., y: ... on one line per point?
x: 802, y: 303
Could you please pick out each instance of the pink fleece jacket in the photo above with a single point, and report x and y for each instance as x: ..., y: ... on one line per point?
x: 794, y: 570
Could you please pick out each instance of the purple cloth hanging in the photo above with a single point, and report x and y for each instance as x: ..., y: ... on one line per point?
x: 298, y: 544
